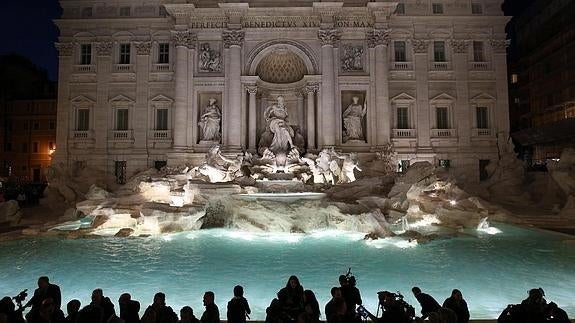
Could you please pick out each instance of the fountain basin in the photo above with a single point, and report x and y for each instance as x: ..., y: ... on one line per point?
x: 280, y: 197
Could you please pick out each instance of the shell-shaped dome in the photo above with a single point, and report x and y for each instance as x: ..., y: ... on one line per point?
x: 281, y: 66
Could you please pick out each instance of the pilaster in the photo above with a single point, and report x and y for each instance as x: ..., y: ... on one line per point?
x: 499, y: 47
x: 233, y: 40
x: 379, y: 39
x: 328, y: 39
x: 462, y: 108
x: 311, y: 89
x: 140, y: 118
x: 102, y: 113
x: 64, y: 113
x: 420, y: 48
x: 252, y: 117
x: 183, y: 40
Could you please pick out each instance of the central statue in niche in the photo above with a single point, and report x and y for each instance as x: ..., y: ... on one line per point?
x: 280, y: 142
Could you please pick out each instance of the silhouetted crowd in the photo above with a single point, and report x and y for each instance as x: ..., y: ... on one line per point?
x: 293, y: 304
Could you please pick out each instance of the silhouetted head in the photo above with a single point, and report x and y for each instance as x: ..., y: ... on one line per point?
x: 186, y: 314
x: 343, y: 280
x: 293, y: 282
x: 309, y: 296
x: 416, y: 291
x: 124, y: 298
x: 73, y: 306
x: 456, y: 294
x: 238, y: 291
x: 43, y: 282
x: 209, y: 298
x: 97, y: 295
x: 335, y: 292
x: 160, y: 299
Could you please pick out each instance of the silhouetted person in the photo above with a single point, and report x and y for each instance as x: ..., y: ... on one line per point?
x: 45, y: 290
x: 428, y: 303
x: 311, y: 311
x: 129, y: 309
x: 47, y: 313
x: 393, y: 312
x: 212, y: 313
x: 8, y: 309
x: 187, y: 315
x: 555, y: 314
x: 291, y: 298
x: 457, y: 304
x: 340, y: 314
x: 72, y: 309
x: 100, y: 310
x: 158, y: 312
x: 330, y: 306
x: 533, y: 307
x: 238, y: 307
x: 352, y: 297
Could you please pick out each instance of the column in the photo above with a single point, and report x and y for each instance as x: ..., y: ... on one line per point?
x: 63, y: 122
x: 499, y: 47
x: 233, y: 40
x: 252, y: 117
x: 299, y: 121
x: 328, y: 38
x: 102, y: 111
x: 141, y: 110
x: 422, y: 93
x: 379, y: 39
x: 183, y: 40
x: 192, y: 108
x: 462, y: 109
x: 311, y: 89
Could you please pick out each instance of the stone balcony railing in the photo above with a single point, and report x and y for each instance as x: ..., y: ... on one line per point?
x: 443, y: 133
x: 161, y: 68
x: 124, y: 68
x: 402, y: 66
x: 481, y: 132
x: 81, y: 135
x: 85, y: 68
x: 440, y: 66
x: 403, y: 133
x: 160, y: 134
x: 121, y: 135
x: 479, y: 66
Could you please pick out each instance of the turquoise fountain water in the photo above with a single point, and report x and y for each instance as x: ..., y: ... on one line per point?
x: 490, y: 270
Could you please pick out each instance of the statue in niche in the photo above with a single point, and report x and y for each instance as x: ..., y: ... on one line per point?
x: 277, y: 141
x: 353, y: 120
x: 210, y: 122
x: 352, y: 58
x: 210, y: 59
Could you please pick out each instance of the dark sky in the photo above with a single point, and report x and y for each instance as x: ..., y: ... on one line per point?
x: 26, y: 28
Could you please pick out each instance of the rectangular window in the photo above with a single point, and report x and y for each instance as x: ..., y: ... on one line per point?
x: 482, y: 121
x: 83, y: 121
x: 120, y: 171
x: 476, y: 8
x: 437, y: 8
x: 124, y: 53
x: 514, y: 78
x: 162, y: 119
x: 400, y: 9
x: 402, y: 118
x: 162, y: 11
x: 163, y: 53
x: 87, y: 12
x: 445, y: 163
x: 441, y: 117
x: 403, y: 166
x: 478, y: 51
x: 86, y: 54
x: 122, y: 119
x: 35, y: 147
x: 124, y: 11
x: 400, y: 52
x: 439, y: 51
x: 25, y: 147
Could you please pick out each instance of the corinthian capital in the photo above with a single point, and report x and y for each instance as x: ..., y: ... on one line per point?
x: 328, y: 36
x: 252, y: 89
x: 311, y: 88
x: 378, y: 37
x: 420, y: 46
x: 499, y: 45
x: 143, y: 48
x: 233, y: 37
x: 459, y: 46
x: 104, y: 48
x: 184, y: 38
x: 65, y: 49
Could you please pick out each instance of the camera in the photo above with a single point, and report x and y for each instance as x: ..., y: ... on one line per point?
x: 362, y: 311
x: 350, y: 278
x: 407, y: 309
x: 20, y: 298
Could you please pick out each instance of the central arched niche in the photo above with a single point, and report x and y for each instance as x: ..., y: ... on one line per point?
x: 281, y: 66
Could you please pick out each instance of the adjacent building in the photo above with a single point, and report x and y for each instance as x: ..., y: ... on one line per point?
x: 542, y: 79
x: 160, y: 82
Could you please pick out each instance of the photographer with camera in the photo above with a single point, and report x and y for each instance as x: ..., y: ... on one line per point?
x: 8, y: 310
x: 44, y: 291
x: 395, y: 309
x: 350, y: 294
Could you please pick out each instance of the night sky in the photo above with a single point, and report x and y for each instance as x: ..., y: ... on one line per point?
x: 26, y: 28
